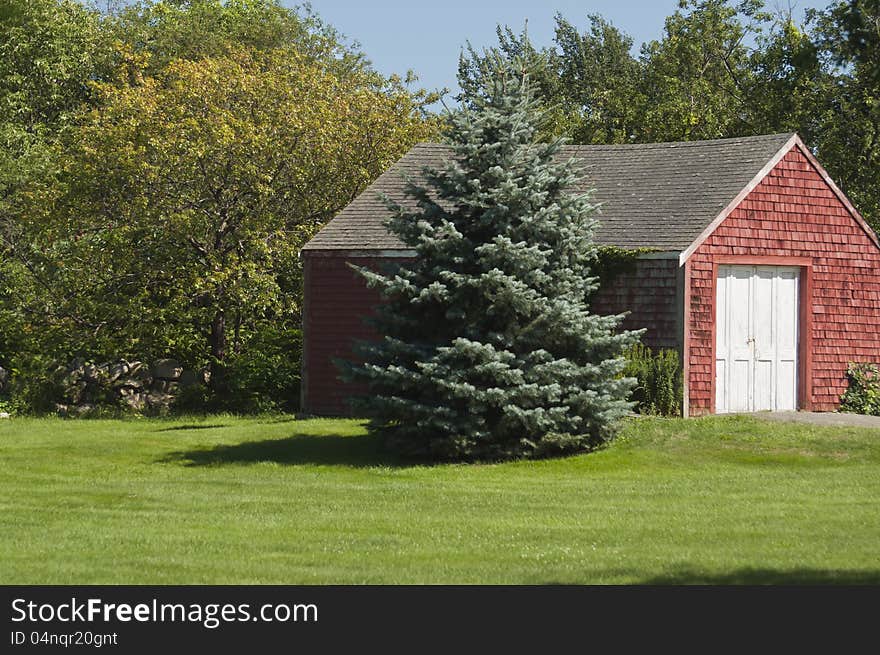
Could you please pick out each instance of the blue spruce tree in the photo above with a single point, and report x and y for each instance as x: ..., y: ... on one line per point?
x: 490, y: 350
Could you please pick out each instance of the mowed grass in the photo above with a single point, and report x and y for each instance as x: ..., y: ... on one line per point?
x: 240, y: 501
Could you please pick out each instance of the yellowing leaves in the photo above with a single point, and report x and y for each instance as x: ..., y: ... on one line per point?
x: 214, y: 173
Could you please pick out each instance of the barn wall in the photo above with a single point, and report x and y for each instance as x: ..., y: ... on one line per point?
x: 650, y: 293
x: 794, y: 213
x: 336, y: 303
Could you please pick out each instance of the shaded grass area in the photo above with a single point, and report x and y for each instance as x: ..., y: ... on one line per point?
x: 326, y: 450
x: 762, y: 576
x: 721, y: 500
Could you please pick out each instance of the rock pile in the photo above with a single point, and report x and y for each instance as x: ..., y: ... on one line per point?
x: 124, y: 384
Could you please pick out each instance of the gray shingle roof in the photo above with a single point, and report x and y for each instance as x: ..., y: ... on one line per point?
x: 659, y: 195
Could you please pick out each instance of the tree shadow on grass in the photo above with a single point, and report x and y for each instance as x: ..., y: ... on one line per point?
x: 194, y: 426
x: 329, y: 450
x: 767, y: 576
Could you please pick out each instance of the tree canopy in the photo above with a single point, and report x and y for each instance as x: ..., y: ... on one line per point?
x: 183, y: 170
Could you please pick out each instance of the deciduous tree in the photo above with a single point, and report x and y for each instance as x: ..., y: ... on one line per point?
x: 185, y: 198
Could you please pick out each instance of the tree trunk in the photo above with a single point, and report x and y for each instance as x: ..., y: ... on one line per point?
x: 218, y: 352
x: 236, y: 339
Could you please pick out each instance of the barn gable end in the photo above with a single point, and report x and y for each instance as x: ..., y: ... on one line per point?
x: 793, y: 215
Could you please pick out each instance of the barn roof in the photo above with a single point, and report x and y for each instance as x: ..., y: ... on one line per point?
x: 658, y: 195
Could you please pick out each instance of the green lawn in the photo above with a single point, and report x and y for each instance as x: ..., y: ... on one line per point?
x: 232, y: 500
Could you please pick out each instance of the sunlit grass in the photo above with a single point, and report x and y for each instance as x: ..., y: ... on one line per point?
x: 274, y: 500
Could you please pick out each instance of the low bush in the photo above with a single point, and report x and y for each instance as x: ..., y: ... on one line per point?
x: 267, y: 377
x: 659, y: 390
x: 862, y: 395
x: 31, y: 387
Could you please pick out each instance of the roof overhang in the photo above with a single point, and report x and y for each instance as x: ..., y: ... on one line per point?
x: 661, y: 254
x: 403, y: 253
x: 794, y: 142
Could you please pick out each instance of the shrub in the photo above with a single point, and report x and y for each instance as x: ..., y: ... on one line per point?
x: 862, y: 395
x: 659, y: 390
x: 195, y: 399
x: 32, y: 388
x: 263, y: 379
x: 267, y: 377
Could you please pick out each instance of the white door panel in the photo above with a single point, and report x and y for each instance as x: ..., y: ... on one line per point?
x: 740, y: 316
x: 756, y: 338
x: 787, y: 338
x: 763, y: 337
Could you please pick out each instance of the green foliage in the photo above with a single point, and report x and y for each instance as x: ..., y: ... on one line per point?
x: 160, y: 168
x: 49, y: 52
x: 170, y: 30
x: 476, y: 69
x: 862, y: 395
x: 196, y: 400
x: 215, y: 172
x: 847, y: 35
x: 33, y: 388
x: 600, y: 81
x: 659, y: 388
x: 490, y: 350
x: 612, y: 261
x: 266, y: 378
x: 696, y: 77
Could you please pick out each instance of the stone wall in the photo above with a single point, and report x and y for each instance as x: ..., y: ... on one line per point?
x: 85, y: 387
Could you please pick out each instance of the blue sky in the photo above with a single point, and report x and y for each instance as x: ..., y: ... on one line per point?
x: 427, y: 36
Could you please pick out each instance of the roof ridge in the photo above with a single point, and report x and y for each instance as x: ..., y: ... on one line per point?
x: 782, y: 137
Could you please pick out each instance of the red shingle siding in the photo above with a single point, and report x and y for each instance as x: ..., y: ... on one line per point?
x: 649, y: 294
x: 337, y: 301
x: 794, y: 213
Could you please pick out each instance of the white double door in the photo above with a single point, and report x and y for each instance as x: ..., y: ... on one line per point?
x: 756, y: 338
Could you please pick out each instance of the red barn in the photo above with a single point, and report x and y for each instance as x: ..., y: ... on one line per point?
x: 762, y: 273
